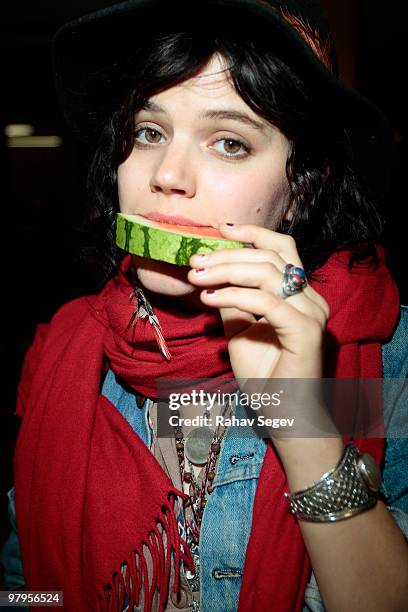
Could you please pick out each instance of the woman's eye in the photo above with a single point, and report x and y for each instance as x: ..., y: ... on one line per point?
x: 151, y: 136
x: 228, y: 147
x: 231, y: 147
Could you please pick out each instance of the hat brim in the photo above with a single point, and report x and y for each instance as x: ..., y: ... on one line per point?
x: 88, y: 53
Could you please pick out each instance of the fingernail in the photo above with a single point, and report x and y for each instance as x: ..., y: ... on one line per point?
x: 200, y: 270
x: 230, y: 225
x: 210, y: 291
x: 202, y: 257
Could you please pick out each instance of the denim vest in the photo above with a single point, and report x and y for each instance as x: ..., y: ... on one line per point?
x: 395, y: 366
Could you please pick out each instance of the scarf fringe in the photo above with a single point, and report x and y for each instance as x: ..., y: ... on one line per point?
x: 133, y: 575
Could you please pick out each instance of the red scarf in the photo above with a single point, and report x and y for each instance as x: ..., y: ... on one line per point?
x: 88, y: 491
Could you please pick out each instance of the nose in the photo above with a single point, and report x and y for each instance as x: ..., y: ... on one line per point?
x: 173, y: 172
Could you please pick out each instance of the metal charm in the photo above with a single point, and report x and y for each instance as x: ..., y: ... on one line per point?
x: 197, y: 443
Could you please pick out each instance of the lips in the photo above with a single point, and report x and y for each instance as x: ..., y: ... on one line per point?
x: 172, y: 219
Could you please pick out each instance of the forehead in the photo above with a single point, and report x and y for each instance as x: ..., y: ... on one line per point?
x: 210, y: 95
x: 215, y: 73
x: 212, y: 81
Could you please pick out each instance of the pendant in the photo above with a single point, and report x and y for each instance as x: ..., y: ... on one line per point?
x: 145, y: 311
x: 197, y: 443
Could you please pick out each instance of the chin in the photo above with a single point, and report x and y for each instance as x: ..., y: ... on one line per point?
x: 163, y: 278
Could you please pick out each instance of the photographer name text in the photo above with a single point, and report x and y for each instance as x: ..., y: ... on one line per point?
x: 219, y: 420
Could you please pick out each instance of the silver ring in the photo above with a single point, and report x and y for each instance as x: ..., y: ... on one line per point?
x: 293, y: 281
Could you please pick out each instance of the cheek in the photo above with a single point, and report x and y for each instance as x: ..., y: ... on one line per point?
x: 250, y: 197
x: 129, y: 184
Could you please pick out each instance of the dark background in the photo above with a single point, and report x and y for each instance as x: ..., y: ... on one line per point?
x: 42, y: 189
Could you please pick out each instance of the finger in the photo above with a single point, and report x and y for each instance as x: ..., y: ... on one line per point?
x: 263, y: 276
x: 259, y: 254
x: 264, y: 238
x: 238, y: 256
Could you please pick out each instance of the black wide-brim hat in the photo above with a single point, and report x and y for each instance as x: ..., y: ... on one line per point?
x: 90, y: 52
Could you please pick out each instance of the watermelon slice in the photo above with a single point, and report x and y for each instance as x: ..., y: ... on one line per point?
x: 166, y: 242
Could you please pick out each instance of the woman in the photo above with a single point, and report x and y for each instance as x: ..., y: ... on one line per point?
x: 246, y: 130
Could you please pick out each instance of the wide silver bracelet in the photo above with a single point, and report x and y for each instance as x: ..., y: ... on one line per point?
x: 346, y: 490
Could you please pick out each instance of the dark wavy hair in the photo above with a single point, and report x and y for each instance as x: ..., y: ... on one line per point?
x: 329, y: 206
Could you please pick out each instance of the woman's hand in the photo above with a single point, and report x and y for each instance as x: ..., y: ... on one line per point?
x: 286, y: 341
x: 272, y: 338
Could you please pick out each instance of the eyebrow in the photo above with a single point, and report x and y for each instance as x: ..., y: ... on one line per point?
x: 230, y: 114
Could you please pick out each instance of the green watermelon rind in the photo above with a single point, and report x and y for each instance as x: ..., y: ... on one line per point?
x: 168, y: 246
